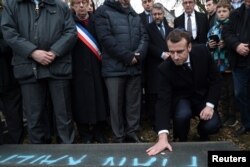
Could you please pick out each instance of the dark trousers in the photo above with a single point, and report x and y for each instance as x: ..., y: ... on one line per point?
x: 13, y: 113
x: 1, y: 133
x: 184, y: 111
x: 151, y: 99
x: 227, y: 102
x: 124, y: 95
x: 241, y: 77
x: 35, y: 99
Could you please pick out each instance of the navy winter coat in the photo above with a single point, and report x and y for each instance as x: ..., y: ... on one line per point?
x: 121, y: 34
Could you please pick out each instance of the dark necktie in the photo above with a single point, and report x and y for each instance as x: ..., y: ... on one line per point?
x: 189, y: 25
x: 148, y: 18
x: 186, y: 67
x: 161, y: 31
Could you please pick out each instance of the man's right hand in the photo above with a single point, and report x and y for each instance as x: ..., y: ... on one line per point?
x: 134, y: 61
x: 165, y: 55
x: 42, y: 57
x: 243, y: 49
x: 161, y: 145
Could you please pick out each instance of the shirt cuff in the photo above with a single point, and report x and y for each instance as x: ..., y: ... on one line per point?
x: 209, y: 105
x: 162, y: 55
x: 163, y: 131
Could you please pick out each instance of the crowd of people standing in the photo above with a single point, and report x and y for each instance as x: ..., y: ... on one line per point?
x: 63, y: 64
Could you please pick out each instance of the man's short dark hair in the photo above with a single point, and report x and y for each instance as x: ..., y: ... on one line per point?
x: 224, y: 4
x: 214, y: 1
x: 178, y: 34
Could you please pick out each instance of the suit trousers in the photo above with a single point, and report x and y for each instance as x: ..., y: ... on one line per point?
x: 35, y: 99
x: 184, y: 111
x: 124, y: 95
x: 13, y: 113
x: 241, y: 78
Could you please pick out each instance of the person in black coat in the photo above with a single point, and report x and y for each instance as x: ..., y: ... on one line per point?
x: 211, y: 11
x: 189, y: 86
x: 236, y: 35
x: 91, y: 8
x: 124, y: 45
x: 10, y: 95
x: 199, y: 22
x: 88, y: 97
x: 146, y: 16
x: 157, y: 53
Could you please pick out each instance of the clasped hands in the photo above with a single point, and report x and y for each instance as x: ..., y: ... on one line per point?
x: 135, y: 59
x: 43, y: 57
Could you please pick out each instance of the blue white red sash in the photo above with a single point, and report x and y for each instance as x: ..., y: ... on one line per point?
x: 88, y: 40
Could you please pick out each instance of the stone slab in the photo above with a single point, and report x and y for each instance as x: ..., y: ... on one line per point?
x: 184, y: 154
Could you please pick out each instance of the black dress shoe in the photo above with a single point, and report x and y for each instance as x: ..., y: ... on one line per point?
x: 204, y: 138
x: 86, y: 139
x: 242, y: 130
x: 133, y: 138
x: 118, y: 140
x: 100, y: 138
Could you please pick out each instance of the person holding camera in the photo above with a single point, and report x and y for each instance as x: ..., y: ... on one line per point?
x: 220, y: 54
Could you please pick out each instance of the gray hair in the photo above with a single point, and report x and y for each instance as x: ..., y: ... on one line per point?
x: 159, y: 6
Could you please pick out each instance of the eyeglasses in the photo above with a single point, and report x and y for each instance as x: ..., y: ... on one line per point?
x: 188, y: 2
x: 146, y: 1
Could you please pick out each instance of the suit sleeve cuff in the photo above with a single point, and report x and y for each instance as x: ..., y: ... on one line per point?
x: 162, y: 55
x: 163, y: 131
x: 210, y: 105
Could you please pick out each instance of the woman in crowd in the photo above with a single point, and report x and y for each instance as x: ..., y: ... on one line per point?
x: 89, y: 106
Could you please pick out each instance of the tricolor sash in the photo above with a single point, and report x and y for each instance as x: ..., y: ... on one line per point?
x: 88, y: 40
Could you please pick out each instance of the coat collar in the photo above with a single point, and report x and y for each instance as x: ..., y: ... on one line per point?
x: 51, y: 2
x: 117, y: 6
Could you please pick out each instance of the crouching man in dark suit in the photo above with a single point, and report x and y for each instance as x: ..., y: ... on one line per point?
x: 189, y: 86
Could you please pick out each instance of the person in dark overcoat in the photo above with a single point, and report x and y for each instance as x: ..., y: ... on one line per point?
x: 42, y: 34
x: 89, y: 107
x: 199, y: 22
x: 157, y: 53
x: 10, y: 95
x: 189, y: 86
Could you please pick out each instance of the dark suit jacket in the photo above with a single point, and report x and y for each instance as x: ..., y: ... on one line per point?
x: 7, y: 80
x: 157, y: 45
x: 143, y: 18
x: 211, y: 20
x: 201, y: 86
x: 202, y: 26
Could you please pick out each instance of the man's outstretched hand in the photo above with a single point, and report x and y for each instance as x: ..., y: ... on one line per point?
x: 161, y: 145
